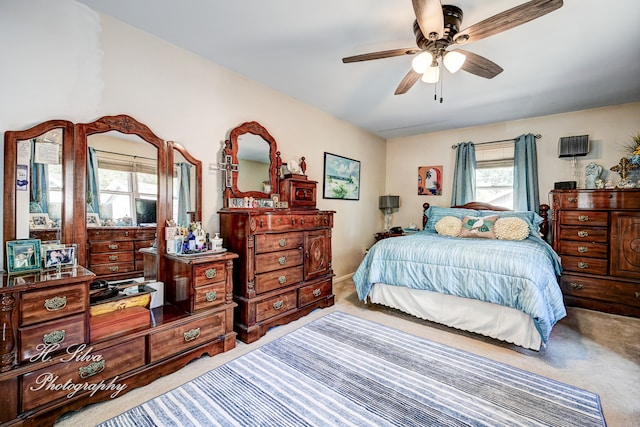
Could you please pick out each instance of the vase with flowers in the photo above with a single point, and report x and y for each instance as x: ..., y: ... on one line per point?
x: 634, y: 148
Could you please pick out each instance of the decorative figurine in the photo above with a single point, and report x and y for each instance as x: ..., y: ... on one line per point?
x: 592, y: 174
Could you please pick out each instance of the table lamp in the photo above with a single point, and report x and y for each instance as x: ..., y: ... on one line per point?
x: 388, y: 204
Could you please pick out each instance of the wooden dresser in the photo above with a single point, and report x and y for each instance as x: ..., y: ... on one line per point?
x: 47, y: 337
x: 113, y: 252
x: 284, y: 270
x: 597, y: 235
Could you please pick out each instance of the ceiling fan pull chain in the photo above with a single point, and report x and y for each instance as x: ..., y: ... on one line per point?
x: 441, y: 83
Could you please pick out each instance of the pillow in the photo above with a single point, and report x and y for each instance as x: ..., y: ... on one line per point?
x: 531, y: 218
x: 478, y: 227
x: 449, y: 226
x: 436, y: 213
x: 511, y: 228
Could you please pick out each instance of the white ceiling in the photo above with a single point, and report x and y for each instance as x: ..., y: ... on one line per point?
x: 583, y: 55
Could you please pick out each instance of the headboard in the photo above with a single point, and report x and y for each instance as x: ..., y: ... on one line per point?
x: 544, y: 213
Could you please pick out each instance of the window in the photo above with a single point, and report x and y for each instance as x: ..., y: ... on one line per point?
x: 494, y: 173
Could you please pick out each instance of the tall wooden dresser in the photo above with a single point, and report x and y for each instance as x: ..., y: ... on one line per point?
x: 284, y: 269
x: 597, y: 235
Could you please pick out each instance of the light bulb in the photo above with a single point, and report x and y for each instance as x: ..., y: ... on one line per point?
x: 432, y: 75
x: 453, y: 60
x: 421, y: 62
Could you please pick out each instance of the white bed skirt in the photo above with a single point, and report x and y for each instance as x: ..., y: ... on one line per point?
x: 493, y: 320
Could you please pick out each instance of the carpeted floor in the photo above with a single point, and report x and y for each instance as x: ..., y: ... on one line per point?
x: 591, y: 350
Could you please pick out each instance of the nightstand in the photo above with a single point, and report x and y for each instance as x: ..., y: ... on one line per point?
x: 386, y: 234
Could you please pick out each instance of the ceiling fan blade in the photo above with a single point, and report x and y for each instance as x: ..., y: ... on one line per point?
x: 508, y: 19
x: 409, y: 80
x: 430, y: 18
x: 479, y: 65
x: 380, y: 55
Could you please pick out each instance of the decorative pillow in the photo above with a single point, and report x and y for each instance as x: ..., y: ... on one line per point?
x: 449, y: 226
x: 511, y: 228
x: 436, y: 213
x: 478, y: 227
x: 532, y: 219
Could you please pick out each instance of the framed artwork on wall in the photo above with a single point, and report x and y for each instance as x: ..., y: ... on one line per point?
x: 341, y: 178
x: 430, y: 180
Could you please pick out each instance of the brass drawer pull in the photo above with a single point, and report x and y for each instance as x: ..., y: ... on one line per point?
x: 210, y: 273
x: 583, y: 218
x: 91, y: 369
x: 126, y: 234
x: 211, y: 296
x: 113, y: 257
x: 282, y: 242
x: 583, y: 249
x: 278, y: 305
x: 576, y: 286
x: 113, y: 246
x: 583, y: 265
x: 191, y: 335
x: 55, y: 303
x: 572, y: 200
x: 293, y: 221
x: 583, y: 233
x: 282, y: 260
x: 54, y: 337
x: 317, y: 292
x: 261, y: 222
x: 302, y: 221
x: 282, y: 279
x: 638, y: 295
x: 113, y: 268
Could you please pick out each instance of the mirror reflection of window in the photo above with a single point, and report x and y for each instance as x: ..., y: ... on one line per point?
x: 253, y: 162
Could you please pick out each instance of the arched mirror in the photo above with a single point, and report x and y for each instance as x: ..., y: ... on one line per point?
x: 122, y: 187
x: 186, y: 185
x: 254, y: 162
x: 38, y: 182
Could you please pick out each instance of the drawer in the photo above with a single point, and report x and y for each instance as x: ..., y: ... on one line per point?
x: 276, y: 260
x: 53, y: 303
x: 311, y: 293
x: 601, y: 289
x: 118, y: 233
x: 271, y: 307
x: 584, y: 265
x: 110, y: 258
x: 209, y: 296
x: 146, y: 233
x: 55, y: 335
x: 583, y: 249
x: 141, y: 244
x: 204, y: 274
x: 266, y: 282
x: 95, y: 367
x: 105, y: 269
x: 191, y: 334
x: 111, y: 246
x: 278, y: 242
x: 587, y: 234
x: 597, y: 199
x: 584, y: 218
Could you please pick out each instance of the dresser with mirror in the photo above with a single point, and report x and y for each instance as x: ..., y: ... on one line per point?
x: 78, y: 185
x: 284, y: 267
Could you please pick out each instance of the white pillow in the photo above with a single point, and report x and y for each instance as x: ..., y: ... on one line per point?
x: 511, y: 228
x: 449, y: 226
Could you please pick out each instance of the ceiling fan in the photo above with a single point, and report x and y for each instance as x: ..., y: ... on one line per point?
x: 437, y: 27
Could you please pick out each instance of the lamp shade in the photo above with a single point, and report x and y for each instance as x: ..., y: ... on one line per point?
x: 454, y: 60
x: 389, y: 202
x: 432, y: 75
x: 571, y: 146
x: 421, y: 62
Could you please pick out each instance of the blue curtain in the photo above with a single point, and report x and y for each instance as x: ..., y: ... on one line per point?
x: 464, y: 175
x: 525, y: 174
x: 184, y: 193
x: 39, y: 184
x: 93, y: 195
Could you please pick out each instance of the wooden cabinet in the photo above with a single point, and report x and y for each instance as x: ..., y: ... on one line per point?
x: 113, y: 253
x: 299, y: 193
x: 597, y: 235
x: 284, y: 270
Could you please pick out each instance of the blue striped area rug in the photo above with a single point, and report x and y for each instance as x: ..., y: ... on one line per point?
x: 341, y: 370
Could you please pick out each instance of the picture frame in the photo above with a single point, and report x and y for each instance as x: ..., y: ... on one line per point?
x: 268, y: 203
x: 341, y: 178
x: 62, y: 255
x: 93, y: 220
x: 39, y: 221
x: 275, y: 197
x: 23, y: 256
x: 430, y: 180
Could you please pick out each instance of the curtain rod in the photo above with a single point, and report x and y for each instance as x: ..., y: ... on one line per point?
x: 126, y: 155
x: 538, y: 136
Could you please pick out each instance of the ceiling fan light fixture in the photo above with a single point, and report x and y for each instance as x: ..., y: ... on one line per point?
x: 453, y: 61
x: 421, y: 62
x: 432, y: 75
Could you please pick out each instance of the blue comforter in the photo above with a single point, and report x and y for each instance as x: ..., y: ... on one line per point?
x: 516, y: 274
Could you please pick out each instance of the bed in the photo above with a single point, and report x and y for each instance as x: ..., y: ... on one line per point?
x: 473, y: 267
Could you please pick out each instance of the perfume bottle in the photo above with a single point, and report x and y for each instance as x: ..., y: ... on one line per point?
x: 216, y: 242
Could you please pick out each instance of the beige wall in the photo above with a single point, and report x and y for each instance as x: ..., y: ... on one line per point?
x: 609, y: 129
x: 62, y: 60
